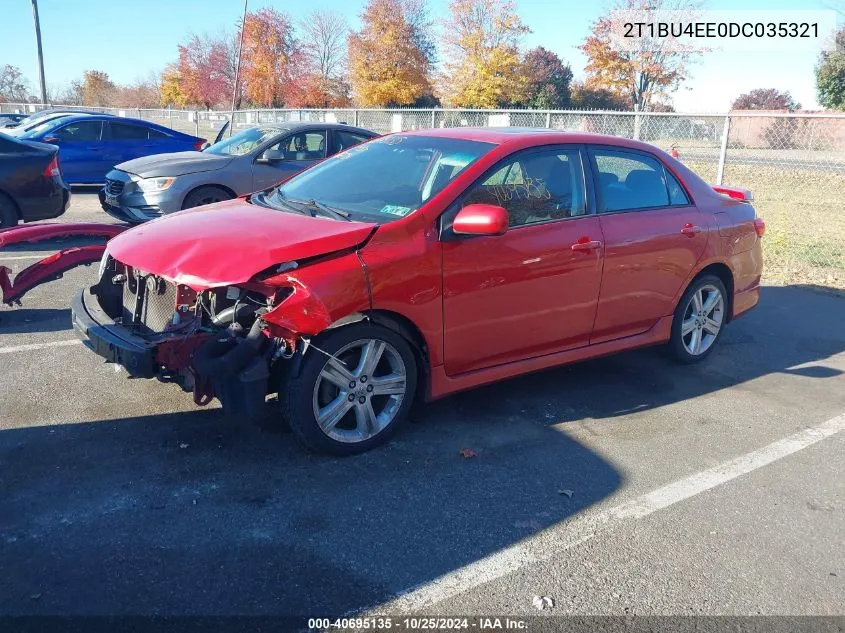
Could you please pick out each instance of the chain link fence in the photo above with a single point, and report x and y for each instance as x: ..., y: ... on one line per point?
x: 793, y: 163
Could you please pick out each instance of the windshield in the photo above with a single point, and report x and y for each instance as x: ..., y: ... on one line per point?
x: 383, y: 180
x: 243, y: 142
x: 31, y: 132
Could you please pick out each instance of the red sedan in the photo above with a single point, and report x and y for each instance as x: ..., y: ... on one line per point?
x: 420, y: 264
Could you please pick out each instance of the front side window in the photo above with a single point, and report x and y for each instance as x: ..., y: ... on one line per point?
x: 380, y: 181
x: 304, y: 146
x: 79, y: 131
x: 629, y: 181
x: 535, y: 186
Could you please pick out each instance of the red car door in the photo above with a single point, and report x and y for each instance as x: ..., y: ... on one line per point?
x: 528, y: 292
x: 653, y: 238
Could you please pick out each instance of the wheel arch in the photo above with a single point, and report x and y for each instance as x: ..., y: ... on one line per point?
x: 408, y: 330
x: 723, y: 272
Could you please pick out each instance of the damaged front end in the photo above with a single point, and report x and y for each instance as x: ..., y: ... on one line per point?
x: 216, y: 342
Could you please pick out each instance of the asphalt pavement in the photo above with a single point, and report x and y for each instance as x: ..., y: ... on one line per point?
x: 624, y: 485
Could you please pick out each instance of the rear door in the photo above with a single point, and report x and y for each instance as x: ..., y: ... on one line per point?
x: 81, y: 151
x: 294, y: 153
x: 653, y: 239
x: 528, y: 292
x: 128, y: 141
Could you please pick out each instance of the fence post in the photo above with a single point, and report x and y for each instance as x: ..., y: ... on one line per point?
x: 196, y: 123
x: 433, y: 119
x: 139, y: 112
x: 355, y: 117
x: 723, y: 150
x: 170, y: 115
x: 548, y: 119
x: 636, y: 122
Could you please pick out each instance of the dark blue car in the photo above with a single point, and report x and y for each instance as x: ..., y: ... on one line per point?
x: 90, y: 145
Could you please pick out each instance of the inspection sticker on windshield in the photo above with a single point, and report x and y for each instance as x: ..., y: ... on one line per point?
x: 393, y: 209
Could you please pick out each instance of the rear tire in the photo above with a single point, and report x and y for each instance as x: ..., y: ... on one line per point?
x: 355, y: 399
x: 699, y: 319
x: 205, y: 195
x: 8, y: 212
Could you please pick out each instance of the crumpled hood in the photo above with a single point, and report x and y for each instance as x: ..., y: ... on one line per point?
x: 229, y: 242
x: 174, y: 164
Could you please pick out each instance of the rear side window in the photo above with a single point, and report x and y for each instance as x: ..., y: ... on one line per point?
x: 629, y: 181
x: 677, y: 195
x: 80, y: 131
x: 158, y: 134
x: 128, y: 132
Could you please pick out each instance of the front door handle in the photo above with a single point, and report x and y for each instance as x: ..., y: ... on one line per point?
x: 690, y: 230
x: 585, y: 244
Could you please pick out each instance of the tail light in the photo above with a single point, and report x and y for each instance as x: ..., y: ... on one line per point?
x: 760, y: 227
x: 52, y: 170
x: 199, y: 144
x: 734, y: 192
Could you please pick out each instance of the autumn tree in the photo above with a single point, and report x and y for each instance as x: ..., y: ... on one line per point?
x: 387, y: 67
x: 548, y: 80
x: 272, y: 64
x: 97, y: 88
x: 201, y: 72
x: 141, y: 93
x: 648, y: 69
x: 170, y: 87
x: 830, y: 74
x: 765, y: 99
x: 324, y: 47
x: 585, y: 98
x: 481, y: 40
x: 13, y: 86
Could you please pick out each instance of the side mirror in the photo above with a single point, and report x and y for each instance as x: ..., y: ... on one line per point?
x: 269, y: 156
x: 481, y: 219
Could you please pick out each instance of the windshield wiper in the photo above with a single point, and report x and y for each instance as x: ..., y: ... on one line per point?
x: 314, y: 205
x: 262, y: 200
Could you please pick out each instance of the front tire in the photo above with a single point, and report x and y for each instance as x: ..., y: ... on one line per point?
x: 699, y: 319
x: 205, y: 195
x: 354, y: 389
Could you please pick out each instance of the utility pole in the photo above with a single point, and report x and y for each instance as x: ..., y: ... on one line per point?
x: 237, y: 71
x: 41, y: 83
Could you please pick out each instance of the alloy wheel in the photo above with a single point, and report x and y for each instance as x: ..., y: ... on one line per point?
x: 704, y: 316
x: 360, y: 390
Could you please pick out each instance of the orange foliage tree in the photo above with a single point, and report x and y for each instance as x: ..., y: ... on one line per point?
x: 655, y: 68
x: 272, y: 64
x: 483, y: 67
x: 387, y: 67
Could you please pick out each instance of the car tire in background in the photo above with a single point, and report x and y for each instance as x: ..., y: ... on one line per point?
x: 699, y: 319
x: 8, y: 212
x: 353, y: 389
x: 206, y: 195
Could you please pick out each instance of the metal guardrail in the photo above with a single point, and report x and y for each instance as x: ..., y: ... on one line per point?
x: 793, y: 163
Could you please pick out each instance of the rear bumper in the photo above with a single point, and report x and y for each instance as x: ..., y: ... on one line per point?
x: 109, y: 340
x: 47, y: 207
x: 745, y: 300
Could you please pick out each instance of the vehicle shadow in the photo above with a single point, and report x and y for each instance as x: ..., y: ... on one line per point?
x: 792, y: 326
x: 194, y: 513
x: 30, y: 320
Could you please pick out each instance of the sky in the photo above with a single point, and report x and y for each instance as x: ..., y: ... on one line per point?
x: 129, y: 39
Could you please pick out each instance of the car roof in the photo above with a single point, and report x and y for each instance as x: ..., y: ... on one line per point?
x: 541, y: 136
x: 293, y: 126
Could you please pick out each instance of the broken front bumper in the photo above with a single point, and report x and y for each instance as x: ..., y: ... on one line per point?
x: 109, y: 340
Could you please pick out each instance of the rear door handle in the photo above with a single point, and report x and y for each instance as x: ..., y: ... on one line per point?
x: 585, y: 244
x: 690, y: 230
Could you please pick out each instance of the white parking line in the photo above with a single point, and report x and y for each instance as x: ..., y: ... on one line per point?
x: 512, y: 559
x: 36, y: 346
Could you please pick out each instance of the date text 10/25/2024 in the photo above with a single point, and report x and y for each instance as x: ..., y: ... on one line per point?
x: 421, y: 623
